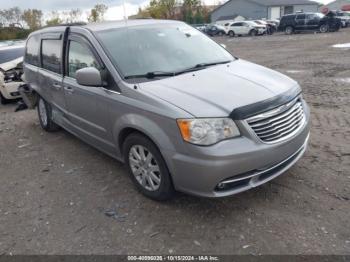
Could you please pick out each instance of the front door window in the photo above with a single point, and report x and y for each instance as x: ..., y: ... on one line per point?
x: 79, y: 57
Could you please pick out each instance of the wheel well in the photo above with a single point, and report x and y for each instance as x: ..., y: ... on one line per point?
x: 125, y: 133
x: 128, y: 131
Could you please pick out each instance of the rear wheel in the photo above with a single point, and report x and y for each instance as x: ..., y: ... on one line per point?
x: 220, y: 33
x: 147, y: 167
x: 324, y: 28
x: 231, y: 34
x: 45, y: 116
x: 289, y: 30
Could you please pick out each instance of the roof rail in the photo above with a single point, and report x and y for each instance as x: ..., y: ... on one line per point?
x: 74, y: 24
x: 68, y: 24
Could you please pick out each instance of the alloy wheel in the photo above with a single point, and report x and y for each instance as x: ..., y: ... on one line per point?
x: 144, y: 167
x: 324, y: 29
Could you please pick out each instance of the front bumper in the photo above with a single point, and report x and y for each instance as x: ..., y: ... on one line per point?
x: 240, y: 164
x: 261, y: 31
x: 10, y: 90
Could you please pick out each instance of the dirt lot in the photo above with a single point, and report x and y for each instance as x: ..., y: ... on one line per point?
x: 54, y: 189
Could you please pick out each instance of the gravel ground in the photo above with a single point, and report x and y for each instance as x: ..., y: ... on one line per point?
x: 54, y: 189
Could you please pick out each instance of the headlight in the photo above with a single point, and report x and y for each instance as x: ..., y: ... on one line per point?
x: 9, y: 75
x: 207, y: 131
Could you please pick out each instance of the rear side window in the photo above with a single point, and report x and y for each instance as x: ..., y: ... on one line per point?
x: 287, y: 18
x: 32, y: 51
x: 51, y: 55
x: 301, y: 17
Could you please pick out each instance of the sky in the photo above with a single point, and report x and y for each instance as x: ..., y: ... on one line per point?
x: 115, y: 7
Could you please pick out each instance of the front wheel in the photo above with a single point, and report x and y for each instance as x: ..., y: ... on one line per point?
x: 289, y: 30
x: 253, y: 33
x: 324, y: 28
x: 45, y: 116
x: 147, y: 167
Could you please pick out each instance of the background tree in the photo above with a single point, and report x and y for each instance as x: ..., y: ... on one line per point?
x: 3, y: 20
x: 54, y: 19
x: 189, y: 8
x: 97, y: 13
x: 155, y: 9
x: 15, y: 16
x: 168, y: 7
x: 162, y: 9
x: 11, y: 16
x: 72, y: 16
x: 33, y: 17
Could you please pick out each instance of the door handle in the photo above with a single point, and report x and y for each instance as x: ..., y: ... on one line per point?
x: 69, y: 89
x: 57, y: 86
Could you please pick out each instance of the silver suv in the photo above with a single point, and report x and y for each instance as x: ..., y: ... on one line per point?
x: 181, y: 111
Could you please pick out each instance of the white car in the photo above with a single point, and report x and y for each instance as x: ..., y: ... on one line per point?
x: 11, y: 59
x: 245, y: 28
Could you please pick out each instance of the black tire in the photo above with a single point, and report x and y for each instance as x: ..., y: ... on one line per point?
x: 324, y: 28
x: 46, y: 121
x: 220, y: 33
x: 166, y: 189
x: 289, y: 30
x: 3, y: 100
x: 231, y: 34
x: 253, y: 32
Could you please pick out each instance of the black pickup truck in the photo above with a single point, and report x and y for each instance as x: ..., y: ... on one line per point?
x: 309, y: 22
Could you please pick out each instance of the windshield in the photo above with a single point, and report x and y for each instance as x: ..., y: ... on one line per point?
x: 252, y: 23
x: 160, y: 48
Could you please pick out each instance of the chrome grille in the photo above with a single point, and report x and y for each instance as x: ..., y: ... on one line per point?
x: 280, y: 123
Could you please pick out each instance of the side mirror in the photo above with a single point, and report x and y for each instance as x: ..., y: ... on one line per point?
x: 89, y: 76
x: 223, y: 45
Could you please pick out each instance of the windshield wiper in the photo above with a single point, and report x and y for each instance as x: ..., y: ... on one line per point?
x: 201, y: 66
x: 151, y: 75
x: 212, y: 64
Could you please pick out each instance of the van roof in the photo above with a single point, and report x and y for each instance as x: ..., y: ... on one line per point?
x: 122, y: 23
x: 107, y: 25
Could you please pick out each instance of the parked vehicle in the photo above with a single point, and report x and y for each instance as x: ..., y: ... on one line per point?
x: 270, y: 27
x: 245, y: 28
x: 309, y: 22
x: 275, y: 22
x: 344, y: 17
x: 11, y: 71
x: 215, y: 30
x: 227, y: 25
x: 200, y: 27
x: 176, y: 107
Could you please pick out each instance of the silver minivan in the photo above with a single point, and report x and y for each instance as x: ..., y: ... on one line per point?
x: 176, y: 107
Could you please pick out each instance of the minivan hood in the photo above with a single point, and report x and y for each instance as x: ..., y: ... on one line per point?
x: 218, y: 90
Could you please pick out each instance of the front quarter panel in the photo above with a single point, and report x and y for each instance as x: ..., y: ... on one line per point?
x: 151, y: 116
